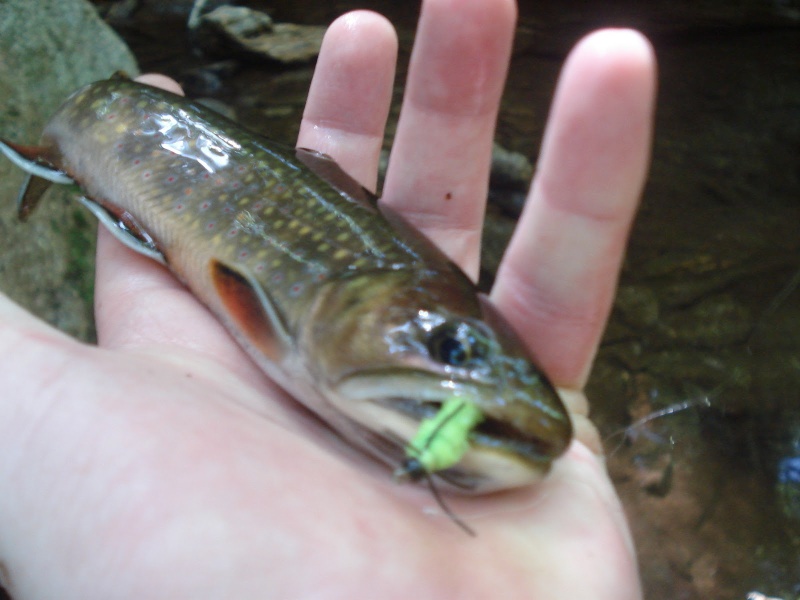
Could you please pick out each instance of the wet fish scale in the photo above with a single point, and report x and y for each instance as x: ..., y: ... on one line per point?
x: 252, y: 205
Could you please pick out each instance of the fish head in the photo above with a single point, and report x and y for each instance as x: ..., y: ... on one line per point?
x: 392, y: 352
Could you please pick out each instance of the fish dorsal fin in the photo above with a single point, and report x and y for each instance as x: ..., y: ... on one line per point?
x: 252, y: 311
x: 329, y: 170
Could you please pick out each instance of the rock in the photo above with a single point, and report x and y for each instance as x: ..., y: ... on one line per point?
x: 226, y: 110
x: 208, y: 79
x: 48, y: 49
x: 637, y: 306
x: 120, y: 11
x: 510, y: 169
x: 509, y: 180
x: 252, y: 34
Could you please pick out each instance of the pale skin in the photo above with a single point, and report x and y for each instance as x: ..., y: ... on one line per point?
x: 162, y: 464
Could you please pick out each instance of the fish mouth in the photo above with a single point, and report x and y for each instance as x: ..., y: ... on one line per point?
x: 500, y: 456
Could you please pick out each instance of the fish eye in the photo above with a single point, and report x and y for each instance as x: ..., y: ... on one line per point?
x: 457, y: 344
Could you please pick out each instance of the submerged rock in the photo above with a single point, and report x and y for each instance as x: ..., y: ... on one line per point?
x: 252, y: 34
x: 509, y: 180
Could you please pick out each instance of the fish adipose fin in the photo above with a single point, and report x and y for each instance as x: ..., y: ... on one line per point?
x: 251, y: 309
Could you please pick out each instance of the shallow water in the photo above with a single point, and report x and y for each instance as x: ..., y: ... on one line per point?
x: 707, y: 324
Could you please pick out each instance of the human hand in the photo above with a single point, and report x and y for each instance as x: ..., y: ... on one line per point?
x: 162, y: 464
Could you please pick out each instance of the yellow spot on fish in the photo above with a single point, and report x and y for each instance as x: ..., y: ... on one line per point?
x: 304, y: 230
x: 343, y: 237
x: 276, y: 263
x: 323, y: 247
x: 340, y: 254
x: 294, y: 224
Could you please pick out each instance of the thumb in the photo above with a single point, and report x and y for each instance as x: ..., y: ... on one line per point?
x: 33, y: 358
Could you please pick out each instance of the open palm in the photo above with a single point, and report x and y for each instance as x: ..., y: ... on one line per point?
x: 163, y: 464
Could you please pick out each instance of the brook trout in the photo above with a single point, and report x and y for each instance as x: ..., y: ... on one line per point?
x: 335, y: 298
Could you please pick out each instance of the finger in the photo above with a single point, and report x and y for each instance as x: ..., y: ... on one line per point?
x: 351, y: 92
x: 161, y: 81
x: 439, y: 168
x: 557, y: 280
x: 34, y: 358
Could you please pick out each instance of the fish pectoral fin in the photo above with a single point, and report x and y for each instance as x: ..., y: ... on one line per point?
x: 252, y: 310
x: 328, y: 169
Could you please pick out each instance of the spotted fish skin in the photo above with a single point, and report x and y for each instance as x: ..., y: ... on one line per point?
x: 336, y: 299
x: 252, y: 203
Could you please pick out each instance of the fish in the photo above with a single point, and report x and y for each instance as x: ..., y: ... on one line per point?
x: 334, y: 296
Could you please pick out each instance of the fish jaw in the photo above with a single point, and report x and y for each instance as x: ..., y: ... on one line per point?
x: 386, y: 379
x: 393, y: 408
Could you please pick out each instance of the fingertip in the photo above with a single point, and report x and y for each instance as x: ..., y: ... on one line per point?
x: 616, y: 37
x: 352, y: 84
x: 351, y: 92
x: 600, y: 129
x: 461, y: 56
x: 161, y: 81
x: 356, y: 21
x: 628, y: 50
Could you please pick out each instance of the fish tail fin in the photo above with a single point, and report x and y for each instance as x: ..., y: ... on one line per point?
x: 42, y: 173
